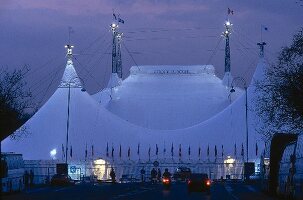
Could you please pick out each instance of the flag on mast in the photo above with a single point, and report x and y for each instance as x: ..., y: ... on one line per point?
x: 120, y: 20
x: 216, y: 152
x: 93, y: 153
x: 208, y: 150
x: 85, y: 150
x: 63, y: 152
x: 71, y: 151
x: 199, y: 152
x: 242, y: 150
x: 256, y: 149
x: 120, y: 151
x: 180, y: 151
x: 157, y: 149
x: 128, y: 153
x: 113, y: 151
x: 149, y: 153
x: 172, y: 150
x: 229, y: 11
x: 114, y: 16
x: 222, y: 151
x: 138, y: 149
x: 265, y: 28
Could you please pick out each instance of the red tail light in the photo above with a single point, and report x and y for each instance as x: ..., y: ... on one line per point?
x: 208, y: 182
x: 165, y: 180
x: 189, y: 182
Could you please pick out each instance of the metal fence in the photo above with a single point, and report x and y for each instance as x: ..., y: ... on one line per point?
x: 93, y: 170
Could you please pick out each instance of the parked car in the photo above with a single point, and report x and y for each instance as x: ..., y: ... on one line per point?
x: 62, y: 180
x: 182, y: 173
x: 126, y: 178
x: 198, y: 183
x: 255, y: 176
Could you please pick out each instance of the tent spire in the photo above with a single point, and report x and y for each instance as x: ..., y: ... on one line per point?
x: 115, y: 79
x: 227, y: 76
x: 119, y: 59
x: 261, y: 46
x: 70, y: 77
x: 260, y: 71
x: 69, y: 52
x: 114, y: 28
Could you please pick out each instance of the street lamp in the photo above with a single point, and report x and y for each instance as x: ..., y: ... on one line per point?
x: 232, y: 90
x: 68, y: 112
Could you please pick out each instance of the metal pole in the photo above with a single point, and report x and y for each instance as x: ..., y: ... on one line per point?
x: 1, y: 166
x: 246, y: 122
x: 114, y: 67
x: 67, y: 124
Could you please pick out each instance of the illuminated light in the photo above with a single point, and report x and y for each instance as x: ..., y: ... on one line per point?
x: 229, y: 160
x: 53, y: 153
x: 208, y: 182
x: 228, y: 23
x: 189, y: 182
x: 165, y: 180
x: 113, y: 25
x: 101, y: 169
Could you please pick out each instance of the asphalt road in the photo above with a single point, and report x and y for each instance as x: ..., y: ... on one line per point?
x: 219, y: 191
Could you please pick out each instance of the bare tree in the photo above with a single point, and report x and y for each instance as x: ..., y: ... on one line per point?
x: 15, y: 101
x: 280, y: 100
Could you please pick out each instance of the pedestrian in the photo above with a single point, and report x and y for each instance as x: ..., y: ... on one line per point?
x: 153, y: 175
x: 142, y: 172
x: 25, y: 179
x: 159, y: 175
x: 113, y: 175
x: 31, y: 178
x: 166, y: 173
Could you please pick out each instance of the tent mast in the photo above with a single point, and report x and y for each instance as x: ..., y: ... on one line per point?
x: 227, y: 76
x: 116, y: 46
x: 69, y: 55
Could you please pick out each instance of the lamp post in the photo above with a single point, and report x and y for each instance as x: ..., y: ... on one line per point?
x: 67, y: 123
x: 68, y: 113
x: 240, y: 79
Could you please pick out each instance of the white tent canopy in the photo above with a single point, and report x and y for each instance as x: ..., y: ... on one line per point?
x: 97, y: 126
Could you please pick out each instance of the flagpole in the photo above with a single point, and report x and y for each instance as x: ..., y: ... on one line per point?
x: 261, y: 33
x: 85, y: 160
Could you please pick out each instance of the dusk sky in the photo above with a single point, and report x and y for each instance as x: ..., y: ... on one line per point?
x: 156, y: 32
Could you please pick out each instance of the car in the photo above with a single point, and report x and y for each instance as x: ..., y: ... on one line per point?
x: 62, y: 180
x: 255, y: 176
x: 198, y: 183
x: 182, y: 173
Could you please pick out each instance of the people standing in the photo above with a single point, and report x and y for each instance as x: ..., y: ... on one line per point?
x: 166, y: 173
x: 153, y: 175
x: 31, y: 178
x: 26, y: 179
x: 142, y: 172
x: 159, y: 175
x: 113, y: 175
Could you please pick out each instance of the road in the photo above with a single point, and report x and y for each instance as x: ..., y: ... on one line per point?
x: 135, y: 191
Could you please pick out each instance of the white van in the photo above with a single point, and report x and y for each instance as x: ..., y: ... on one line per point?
x: 15, y: 171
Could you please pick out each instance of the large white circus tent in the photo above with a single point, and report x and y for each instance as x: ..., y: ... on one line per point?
x: 166, y: 97
x: 92, y: 125
x: 156, y: 111
x: 46, y: 130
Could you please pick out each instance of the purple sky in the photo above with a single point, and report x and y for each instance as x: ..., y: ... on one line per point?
x: 186, y: 32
